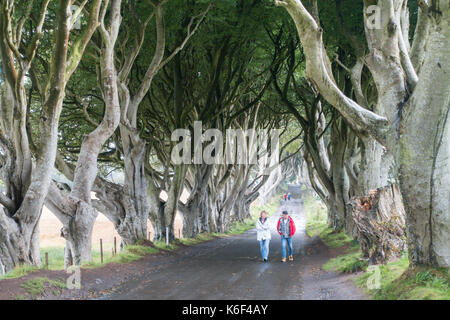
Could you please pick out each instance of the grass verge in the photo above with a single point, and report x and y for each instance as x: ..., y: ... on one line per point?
x: 396, y: 281
x: 36, y: 287
x: 391, y: 281
x: 316, y: 225
x: 129, y: 254
x: 205, y: 236
x: 19, y: 271
x: 136, y: 252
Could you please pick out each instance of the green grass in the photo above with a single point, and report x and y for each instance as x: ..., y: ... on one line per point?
x: 316, y: 216
x: 162, y: 245
x: 133, y: 253
x: 316, y: 225
x: 129, y: 254
x: 205, y: 236
x: 399, y: 282
x: 35, y: 287
x: 19, y: 271
x: 240, y: 227
x: 396, y: 280
x: 55, y: 257
x: 335, y: 239
x: 348, y: 263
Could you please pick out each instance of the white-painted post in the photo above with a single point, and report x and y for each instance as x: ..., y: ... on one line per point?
x: 167, y: 236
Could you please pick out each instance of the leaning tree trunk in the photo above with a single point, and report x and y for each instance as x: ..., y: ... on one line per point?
x: 339, y: 176
x: 75, y: 211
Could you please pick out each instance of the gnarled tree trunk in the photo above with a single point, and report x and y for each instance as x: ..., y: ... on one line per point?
x: 75, y: 211
x: 380, y: 222
x: 425, y: 149
x: 23, y: 207
x: 410, y: 98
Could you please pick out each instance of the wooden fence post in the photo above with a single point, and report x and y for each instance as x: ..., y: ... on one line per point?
x: 101, y: 251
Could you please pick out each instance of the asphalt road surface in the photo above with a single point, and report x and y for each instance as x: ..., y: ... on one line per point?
x: 231, y: 268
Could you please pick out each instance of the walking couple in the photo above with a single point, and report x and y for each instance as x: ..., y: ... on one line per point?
x: 285, y: 228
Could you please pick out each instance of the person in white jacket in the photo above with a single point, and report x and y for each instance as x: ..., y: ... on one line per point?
x: 263, y: 235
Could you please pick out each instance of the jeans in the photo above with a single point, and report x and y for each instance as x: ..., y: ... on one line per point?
x: 264, y: 246
x: 283, y: 246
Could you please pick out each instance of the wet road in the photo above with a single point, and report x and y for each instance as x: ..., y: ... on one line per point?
x: 231, y: 268
x: 225, y: 268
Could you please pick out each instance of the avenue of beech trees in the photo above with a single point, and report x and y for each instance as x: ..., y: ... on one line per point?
x: 92, y: 90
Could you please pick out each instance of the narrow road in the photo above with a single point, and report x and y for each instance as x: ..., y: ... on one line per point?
x: 231, y: 268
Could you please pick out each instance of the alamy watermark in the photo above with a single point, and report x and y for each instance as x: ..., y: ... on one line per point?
x: 74, y: 280
x: 250, y: 146
x: 76, y: 17
x: 373, y: 20
x: 374, y: 280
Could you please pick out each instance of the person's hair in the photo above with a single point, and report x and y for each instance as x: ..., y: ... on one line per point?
x: 285, y: 212
x: 260, y: 214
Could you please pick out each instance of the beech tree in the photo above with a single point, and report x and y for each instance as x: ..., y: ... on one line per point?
x: 27, y: 181
x: 128, y: 205
x: 360, y: 98
x: 412, y: 93
x: 75, y: 210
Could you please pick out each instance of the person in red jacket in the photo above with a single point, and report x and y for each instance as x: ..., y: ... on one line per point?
x: 286, y: 229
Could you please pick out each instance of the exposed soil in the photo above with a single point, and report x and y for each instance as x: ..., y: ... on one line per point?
x: 223, y: 268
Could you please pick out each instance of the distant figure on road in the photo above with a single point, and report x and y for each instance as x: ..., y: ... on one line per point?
x: 285, y: 196
x: 263, y: 235
x: 289, y: 196
x: 286, y: 229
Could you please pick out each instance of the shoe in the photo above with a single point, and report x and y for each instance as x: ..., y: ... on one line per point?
x: 283, y: 260
x: 291, y: 258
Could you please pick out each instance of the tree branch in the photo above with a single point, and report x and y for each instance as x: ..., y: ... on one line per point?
x: 360, y: 119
